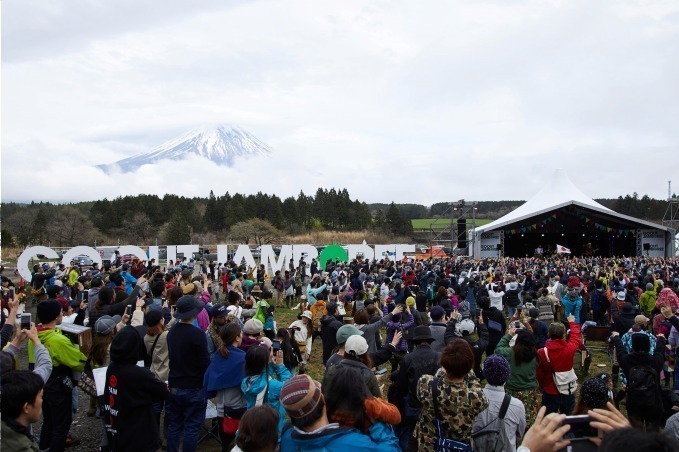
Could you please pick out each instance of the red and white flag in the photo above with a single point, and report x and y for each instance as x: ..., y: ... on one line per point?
x: 562, y: 250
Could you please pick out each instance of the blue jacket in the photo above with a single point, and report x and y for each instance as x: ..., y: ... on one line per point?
x: 572, y: 307
x: 381, y: 437
x: 130, y: 281
x: 252, y: 386
x: 311, y: 293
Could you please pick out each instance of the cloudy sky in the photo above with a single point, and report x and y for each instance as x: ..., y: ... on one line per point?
x: 396, y: 100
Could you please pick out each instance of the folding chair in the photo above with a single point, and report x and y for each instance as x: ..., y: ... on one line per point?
x: 213, y: 430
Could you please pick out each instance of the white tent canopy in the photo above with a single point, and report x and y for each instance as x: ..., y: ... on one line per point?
x: 558, y: 192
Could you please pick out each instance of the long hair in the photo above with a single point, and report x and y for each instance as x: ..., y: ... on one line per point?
x: 256, y: 360
x: 364, y: 358
x: 524, y: 350
x: 345, y: 398
x: 228, y: 334
x: 100, y: 346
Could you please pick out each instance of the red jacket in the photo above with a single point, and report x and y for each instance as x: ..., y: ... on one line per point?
x: 561, y: 358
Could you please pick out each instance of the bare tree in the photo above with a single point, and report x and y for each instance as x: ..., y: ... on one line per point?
x: 258, y: 230
x: 139, y: 229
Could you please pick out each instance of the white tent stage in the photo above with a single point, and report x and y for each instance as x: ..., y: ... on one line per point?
x: 562, y: 214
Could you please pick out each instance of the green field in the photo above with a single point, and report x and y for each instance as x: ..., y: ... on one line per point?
x: 424, y: 223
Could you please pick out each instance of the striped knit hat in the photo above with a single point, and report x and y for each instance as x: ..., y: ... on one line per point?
x: 300, y: 395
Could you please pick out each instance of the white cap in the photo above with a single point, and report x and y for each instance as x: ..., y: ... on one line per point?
x: 307, y: 314
x: 356, y: 344
x: 467, y: 326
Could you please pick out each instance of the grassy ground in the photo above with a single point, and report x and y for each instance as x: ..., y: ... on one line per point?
x: 425, y: 223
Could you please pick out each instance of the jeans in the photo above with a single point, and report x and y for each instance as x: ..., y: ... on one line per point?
x: 57, y: 416
x: 559, y: 403
x: 186, y: 410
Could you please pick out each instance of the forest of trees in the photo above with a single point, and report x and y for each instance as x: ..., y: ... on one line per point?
x: 173, y: 219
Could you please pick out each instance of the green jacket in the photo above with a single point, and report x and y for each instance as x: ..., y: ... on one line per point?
x: 16, y: 438
x: 647, y: 300
x: 61, y: 350
x: 523, y: 377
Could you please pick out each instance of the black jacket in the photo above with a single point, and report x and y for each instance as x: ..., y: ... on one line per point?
x: 422, y: 361
x: 130, y: 393
x: 329, y: 327
x: 497, y: 316
x: 632, y: 359
x: 623, y: 323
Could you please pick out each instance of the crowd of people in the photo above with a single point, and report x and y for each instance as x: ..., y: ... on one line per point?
x: 451, y: 354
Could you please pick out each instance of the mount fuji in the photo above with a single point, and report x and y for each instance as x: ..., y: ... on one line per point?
x: 222, y: 145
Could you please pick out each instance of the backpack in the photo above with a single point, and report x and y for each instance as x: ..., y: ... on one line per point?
x: 596, y: 300
x: 316, y: 315
x: 513, y: 298
x: 643, y: 388
x: 492, y: 436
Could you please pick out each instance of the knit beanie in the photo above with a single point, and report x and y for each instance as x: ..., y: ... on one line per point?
x: 300, y: 395
x: 641, y: 342
x: 594, y: 393
x: 410, y: 302
x: 496, y: 370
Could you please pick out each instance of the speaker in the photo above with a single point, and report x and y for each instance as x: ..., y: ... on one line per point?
x: 461, y: 233
x: 499, y: 247
x: 647, y: 246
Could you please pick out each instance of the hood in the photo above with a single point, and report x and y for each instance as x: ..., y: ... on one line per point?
x: 568, y: 302
x: 127, y: 346
x: 327, y: 319
x: 251, y: 386
x: 45, y: 335
x: 323, y: 440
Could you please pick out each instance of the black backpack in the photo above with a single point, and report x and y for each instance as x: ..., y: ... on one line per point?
x: 643, y: 388
x: 513, y: 298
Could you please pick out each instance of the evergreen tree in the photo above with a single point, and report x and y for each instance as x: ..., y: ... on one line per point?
x: 177, y: 231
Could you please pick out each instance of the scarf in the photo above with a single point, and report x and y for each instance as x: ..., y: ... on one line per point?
x: 225, y: 373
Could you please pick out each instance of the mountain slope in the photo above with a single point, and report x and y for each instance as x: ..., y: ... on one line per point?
x: 221, y: 144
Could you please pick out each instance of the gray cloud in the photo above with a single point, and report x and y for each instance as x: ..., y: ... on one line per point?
x: 394, y: 101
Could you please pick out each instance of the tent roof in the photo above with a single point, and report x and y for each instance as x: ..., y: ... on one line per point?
x: 558, y: 192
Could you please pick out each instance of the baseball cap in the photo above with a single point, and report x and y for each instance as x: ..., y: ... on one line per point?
x: 105, y: 324
x: 357, y: 345
x: 641, y: 319
x: 345, y: 332
x: 219, y: 310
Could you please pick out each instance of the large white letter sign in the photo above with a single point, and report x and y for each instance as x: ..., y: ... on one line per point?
x: 22, y: 262
x: 133, y: 250
x: 188, y: 250
x: 402, y: 249
x: 153, y: 253
x: 80, y: 250
x: 243, y: 251
x: 299, y: 250
x: 364, y: 248
x: 268, y: 257
x: 222, y: 254
x: 385, y: 252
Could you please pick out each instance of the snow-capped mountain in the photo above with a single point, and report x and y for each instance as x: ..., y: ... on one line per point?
x: 221, y: 144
